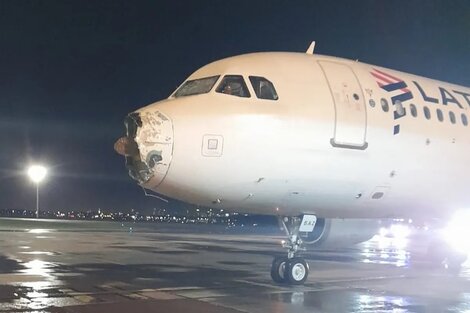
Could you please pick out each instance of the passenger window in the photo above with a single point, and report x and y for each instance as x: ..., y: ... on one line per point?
x: 440, y: 116
x: 263, y: 88
x: 413, y: 110
x: 372, y: 103
x: 464, y: 119
x: 233, y: 85
x: 384, y: 104
x: 452, y: 117
x: 427, y: 113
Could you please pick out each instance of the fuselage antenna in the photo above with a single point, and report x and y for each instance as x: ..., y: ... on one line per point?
x: 311, y: 48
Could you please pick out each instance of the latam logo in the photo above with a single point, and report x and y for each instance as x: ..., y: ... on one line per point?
x: 400, y: 93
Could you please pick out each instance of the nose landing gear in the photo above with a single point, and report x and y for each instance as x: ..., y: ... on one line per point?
x: 292, y: 269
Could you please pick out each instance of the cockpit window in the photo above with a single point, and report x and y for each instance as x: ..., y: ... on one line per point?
x: 233, y: 85
x: 196, y: 86
x: 264, y: 89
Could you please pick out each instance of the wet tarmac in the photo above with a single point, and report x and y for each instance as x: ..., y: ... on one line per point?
x: 65, y: 266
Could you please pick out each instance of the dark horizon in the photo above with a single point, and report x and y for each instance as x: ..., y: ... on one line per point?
x: 72, y: 70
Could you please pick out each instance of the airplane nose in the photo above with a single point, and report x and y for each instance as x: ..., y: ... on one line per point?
x: 147, y: 146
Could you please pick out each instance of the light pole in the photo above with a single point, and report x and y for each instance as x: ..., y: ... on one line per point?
x: 37, y: 173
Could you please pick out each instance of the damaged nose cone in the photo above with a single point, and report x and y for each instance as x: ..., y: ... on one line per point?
x: 147, y: 146
x: 126, y: 146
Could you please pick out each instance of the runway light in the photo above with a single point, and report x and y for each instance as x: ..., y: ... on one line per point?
x: 396, y: 236
x: 457, y: 231
x: 400, y: 231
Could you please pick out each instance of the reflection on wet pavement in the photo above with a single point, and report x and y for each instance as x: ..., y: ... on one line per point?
x: 103, y: 267
x: 383, y: 250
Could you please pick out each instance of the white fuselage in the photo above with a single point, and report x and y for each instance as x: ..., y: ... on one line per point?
x: 320, y: 148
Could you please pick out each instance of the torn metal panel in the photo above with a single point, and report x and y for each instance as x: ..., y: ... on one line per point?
x: 148, y: 146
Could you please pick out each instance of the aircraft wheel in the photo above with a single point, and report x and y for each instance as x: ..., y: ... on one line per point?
x: 278, y: 269
x: 296, y: 271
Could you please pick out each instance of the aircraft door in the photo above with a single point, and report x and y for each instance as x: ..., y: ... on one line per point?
x: 350, y: 109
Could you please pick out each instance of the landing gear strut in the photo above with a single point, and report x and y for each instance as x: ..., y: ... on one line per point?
x: 292, y: 269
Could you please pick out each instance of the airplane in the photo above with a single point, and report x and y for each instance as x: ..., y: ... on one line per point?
x: 328, y: 145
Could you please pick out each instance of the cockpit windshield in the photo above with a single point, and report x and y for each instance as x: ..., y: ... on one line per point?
x: 196, y: 86
x: 233, y: 85
x: 264, y: 89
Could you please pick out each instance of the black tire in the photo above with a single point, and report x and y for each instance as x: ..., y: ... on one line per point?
x: 278, y: 270
x: 296, y: 271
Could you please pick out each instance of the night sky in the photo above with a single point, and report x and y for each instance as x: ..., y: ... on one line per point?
x: 71, y: 70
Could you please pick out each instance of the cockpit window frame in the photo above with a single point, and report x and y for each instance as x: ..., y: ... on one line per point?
x: 221, y: 87
x: 207, y: 90
x: 254, y: 80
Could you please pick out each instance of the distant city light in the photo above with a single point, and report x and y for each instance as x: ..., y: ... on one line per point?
x: 191, y: 216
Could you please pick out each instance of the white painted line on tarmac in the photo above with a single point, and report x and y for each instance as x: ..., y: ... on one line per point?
x: 272, y: 286
x: 175, y: 288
